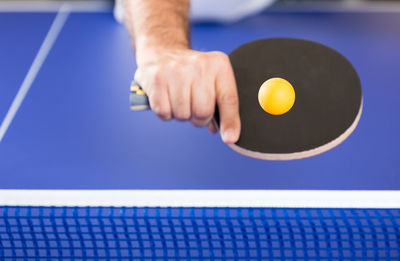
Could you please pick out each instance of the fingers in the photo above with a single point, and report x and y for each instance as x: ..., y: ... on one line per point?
x: 203, y: 101
x: 179, y: 81
x: 160, y: 103
x: 157, y: 92
x: 228, y: 103
x: 188, y: 85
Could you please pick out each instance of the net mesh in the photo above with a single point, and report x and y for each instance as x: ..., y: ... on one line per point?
x: 136, y: 233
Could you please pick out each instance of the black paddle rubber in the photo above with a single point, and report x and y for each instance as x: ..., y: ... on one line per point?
x: 327, y: 104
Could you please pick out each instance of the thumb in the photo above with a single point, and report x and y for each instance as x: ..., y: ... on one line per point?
x: 228, y: 106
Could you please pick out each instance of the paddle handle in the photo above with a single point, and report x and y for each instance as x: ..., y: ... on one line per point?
x: 138, y: 98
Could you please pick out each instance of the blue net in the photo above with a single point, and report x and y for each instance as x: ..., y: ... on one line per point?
x: 135, y: 233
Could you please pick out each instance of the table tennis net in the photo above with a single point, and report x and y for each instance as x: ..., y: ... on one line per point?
x: 182, y: 233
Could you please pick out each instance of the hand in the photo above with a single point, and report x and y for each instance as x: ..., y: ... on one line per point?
x: 186, y: 85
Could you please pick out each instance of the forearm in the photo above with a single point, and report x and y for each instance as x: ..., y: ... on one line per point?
x: 157, y: 24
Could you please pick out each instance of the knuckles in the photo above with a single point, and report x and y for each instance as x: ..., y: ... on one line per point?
x: 221, y: 60
x: 230, y: 99
x: 158, y: 78
x: 182, y: 115
x: 203, y: 113
x: 161, y: 111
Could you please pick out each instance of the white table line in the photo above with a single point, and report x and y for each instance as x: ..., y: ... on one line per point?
x: 41, y: 56
x: 54, y: 6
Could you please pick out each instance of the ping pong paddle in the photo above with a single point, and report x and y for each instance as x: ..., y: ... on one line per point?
x: 328, y: 101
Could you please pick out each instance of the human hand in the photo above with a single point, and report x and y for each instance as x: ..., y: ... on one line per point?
x: 186, y: 85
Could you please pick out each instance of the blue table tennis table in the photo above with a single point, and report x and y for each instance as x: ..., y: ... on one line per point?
x: 84, y: 178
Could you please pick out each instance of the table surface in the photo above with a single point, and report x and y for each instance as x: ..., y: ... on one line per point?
x: 74, y: 129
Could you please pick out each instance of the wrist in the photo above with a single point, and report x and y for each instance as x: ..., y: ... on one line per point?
x: 151, y: 49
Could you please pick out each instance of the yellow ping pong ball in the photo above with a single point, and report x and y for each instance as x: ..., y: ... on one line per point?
x: 276, y: 96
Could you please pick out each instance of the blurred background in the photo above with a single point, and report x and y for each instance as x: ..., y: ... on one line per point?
x: 277, y: 5
x: 294, y: 5
x: 278, y: 2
